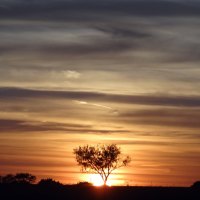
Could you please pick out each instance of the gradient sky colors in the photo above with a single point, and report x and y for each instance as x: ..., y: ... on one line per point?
x: 76, y: 72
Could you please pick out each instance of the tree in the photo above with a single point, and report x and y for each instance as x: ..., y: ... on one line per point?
x: 49, y: 182
x: 25, y: 178
x: 84, y: 184
x: 8, y: 179
x: 100, y: 159
x: 18, y: 178
x: 196, y: 185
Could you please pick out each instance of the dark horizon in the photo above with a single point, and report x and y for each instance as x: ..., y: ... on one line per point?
x: 54, y: 190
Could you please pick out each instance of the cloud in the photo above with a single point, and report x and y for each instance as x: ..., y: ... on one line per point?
x: 84, y: 10
x: 142, y: 142
x: 112, y: 35
x: 151, y: 99
x: 71, y: 74
x: 170, y: 117
x: 123, y: 32
x: 111, y: 110
x: 93, y: 104
x: 94, y: 108
x: 12, y: 125
x: 38, y: 75
x: 98, y: 47
x: 23, y: 126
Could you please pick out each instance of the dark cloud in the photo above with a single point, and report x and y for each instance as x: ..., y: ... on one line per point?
x: 79, y: 10
x: 101, y: 47
x: 16, y: 126
x: 101, y: 39
x: 10, y: 125
x: 185, y: 118
x: 124, y: 32
x: 108, y: 41
x: 97, y: 48
x: 156, y: 100
x: 134, y: 34
x: 9, y: 49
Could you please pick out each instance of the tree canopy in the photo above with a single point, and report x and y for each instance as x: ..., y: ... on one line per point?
x: 18, y: 178
x: 100, y: 159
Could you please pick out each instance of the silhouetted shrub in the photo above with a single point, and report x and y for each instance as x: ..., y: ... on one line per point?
x: 49, y: 183
x: 24, y: 178
x: 8, y: 179
x: 84, y: 184
x: 196, y: 185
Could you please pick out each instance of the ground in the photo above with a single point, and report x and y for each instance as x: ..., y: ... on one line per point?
x: 78, y: 192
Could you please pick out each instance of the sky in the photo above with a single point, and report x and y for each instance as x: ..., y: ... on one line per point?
x: 76, y: 72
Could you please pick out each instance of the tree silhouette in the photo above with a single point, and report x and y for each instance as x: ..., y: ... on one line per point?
x: 196, y: 185
x: 100, y: 159
x: 7, y: 179
x: 18, y: 178
x: 49, y: 182
x: 25, y: 178
x: 84, y: 184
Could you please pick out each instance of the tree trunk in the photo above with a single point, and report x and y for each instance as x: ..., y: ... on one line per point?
x: 105, y: 181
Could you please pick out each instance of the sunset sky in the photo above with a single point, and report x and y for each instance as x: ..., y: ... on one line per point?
x: 75, y: 72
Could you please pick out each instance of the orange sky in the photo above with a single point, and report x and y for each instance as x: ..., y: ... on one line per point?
x: 39, y: 132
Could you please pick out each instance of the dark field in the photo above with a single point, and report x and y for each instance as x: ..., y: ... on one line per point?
x: 38, y: 192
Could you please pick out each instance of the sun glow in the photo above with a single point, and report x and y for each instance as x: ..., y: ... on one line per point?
x: 96, y: 180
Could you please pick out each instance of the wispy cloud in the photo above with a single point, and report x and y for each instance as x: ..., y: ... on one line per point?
x: 25, y: 126
x: 171, y: 117
x: 150, y: 110
x: 93, y: 104
x: 71, y: 74
x: 151, y: 99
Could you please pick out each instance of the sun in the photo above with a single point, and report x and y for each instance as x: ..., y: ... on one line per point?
x: 96, y: 180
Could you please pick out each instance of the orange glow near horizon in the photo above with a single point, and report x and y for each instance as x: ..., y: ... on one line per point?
x: 43, y: 144
x: 96, y: 180
x: 51, y: 155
